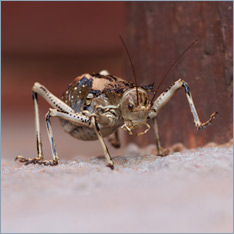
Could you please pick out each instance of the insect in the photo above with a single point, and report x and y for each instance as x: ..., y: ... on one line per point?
x: 94, y: 106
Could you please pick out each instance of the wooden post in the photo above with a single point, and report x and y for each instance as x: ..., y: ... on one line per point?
x: 156, y: 33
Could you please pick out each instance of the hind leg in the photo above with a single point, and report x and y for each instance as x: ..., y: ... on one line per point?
x: 110, y: 162
x: 39, y: 159
x: 59, y: 105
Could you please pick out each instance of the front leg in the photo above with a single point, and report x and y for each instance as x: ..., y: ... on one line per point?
x: 162, y: 101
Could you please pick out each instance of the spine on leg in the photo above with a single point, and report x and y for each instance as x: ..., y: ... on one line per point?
x: 50, y: 98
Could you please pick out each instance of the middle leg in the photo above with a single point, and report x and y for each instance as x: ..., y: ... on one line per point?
x: 161, y: 151
x: 105, y: 149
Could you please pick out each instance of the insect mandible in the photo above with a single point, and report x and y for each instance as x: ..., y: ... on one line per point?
x: 96, y: 105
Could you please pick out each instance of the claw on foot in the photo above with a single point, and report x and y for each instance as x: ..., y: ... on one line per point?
x: 39, y: 161
x: 163, y: 152
x: 204, y: 125
x: 110, y: 165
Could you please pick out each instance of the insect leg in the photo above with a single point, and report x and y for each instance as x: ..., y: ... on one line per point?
x: 50, y: 98
x: 105, y: 149
x: 39, y: 159
x: 79, y: 119
x: 161, y: 151
x: 167, y: 95
x: 199, y: 125
x: 114, y: 139
x: 75, y: 118
x: 51, y: 138
x: 56, y: 103
x: 38, y: 134
x: 37, y: 126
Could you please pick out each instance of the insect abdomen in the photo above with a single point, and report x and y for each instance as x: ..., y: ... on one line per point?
x: 85, y: 133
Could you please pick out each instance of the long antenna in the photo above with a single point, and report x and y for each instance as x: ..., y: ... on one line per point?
x: 172, y: 65
x: 133, y: 71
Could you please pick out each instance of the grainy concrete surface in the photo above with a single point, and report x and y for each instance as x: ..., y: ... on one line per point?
x: 188, y: 191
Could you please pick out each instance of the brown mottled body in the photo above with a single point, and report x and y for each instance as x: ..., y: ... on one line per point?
x: 87, y: 92
x: 95, y: 87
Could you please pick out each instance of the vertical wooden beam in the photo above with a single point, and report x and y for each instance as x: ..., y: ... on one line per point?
x: 156, y: 33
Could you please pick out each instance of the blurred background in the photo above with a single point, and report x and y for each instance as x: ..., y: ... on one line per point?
x: 53, y: 42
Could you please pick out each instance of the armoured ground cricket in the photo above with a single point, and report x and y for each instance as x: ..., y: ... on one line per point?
x: 96, y: 105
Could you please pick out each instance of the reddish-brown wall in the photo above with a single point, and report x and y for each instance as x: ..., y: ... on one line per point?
x: 61, y: 27
x: 157, y: 32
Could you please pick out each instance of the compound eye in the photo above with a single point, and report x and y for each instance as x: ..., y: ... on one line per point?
x: 130, y: 106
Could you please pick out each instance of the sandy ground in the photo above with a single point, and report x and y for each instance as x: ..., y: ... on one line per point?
x: 187, y: 191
